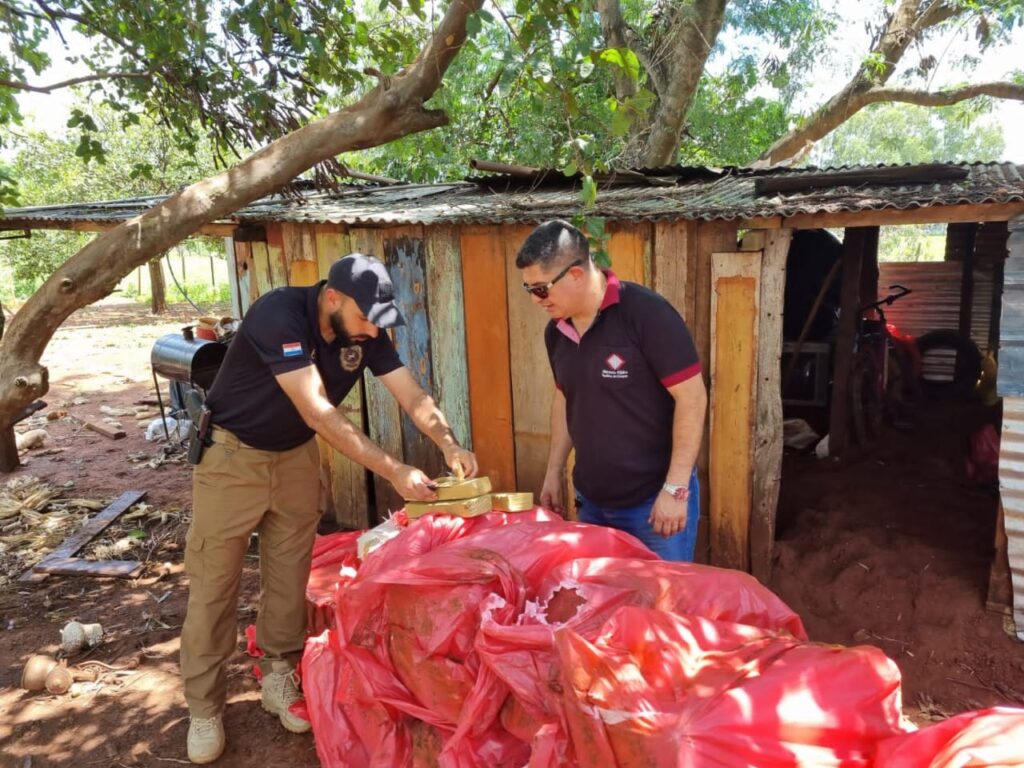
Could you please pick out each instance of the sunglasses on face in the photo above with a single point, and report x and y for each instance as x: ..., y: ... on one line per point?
x: 541, y: 290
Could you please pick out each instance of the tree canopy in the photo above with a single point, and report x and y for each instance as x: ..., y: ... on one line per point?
x: 577, y: 85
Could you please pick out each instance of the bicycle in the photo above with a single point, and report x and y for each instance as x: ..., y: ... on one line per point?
x: 882, y: 377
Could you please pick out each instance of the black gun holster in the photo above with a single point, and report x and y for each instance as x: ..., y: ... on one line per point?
x: 199, y: 432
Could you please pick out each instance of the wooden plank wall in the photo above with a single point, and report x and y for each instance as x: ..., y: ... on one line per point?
x: 533, y: 385
x: 446, y: 308
x: 485, y: 285
x: 735, y: 315
x: 767, y: 475
x: 710, y: 237
x: 405, y: 256
x: 246, y: 272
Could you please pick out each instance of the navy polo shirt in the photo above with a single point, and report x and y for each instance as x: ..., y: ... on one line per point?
x: 281, y: 333
x: 615, y: 380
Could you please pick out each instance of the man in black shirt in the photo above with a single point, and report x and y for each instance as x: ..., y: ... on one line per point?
x: 629, y: 395
x: 295, y: 358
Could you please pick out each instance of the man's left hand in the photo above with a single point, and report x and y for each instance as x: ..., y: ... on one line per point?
x: 668, y: 515
x: 459, y: 456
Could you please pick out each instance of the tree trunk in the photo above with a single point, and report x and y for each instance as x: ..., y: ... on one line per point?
x: 678, y: 42
x: 692, y: 34
x: 157, y: 287
x: 8, y: 449
x: 394, y: 108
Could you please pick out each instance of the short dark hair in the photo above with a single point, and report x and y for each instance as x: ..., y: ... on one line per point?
x: 553, y: 242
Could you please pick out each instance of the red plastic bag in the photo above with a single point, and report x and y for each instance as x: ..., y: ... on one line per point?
x: 333, y: 555
x: 658, y: 689
x: 989, y: 737
x: 584, y: 594
x: 407, y: 623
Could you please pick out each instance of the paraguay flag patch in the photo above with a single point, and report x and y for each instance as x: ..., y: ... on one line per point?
x: 292, y: 349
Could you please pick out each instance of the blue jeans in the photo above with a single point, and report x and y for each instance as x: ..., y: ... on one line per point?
x: 633, y: 520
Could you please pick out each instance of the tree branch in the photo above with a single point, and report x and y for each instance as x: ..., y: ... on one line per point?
x: 904, y: 26
x: 1000, y: 89
x: 429, y: 67
x: 838, y: 111
x: 377, y: 118
x: 18, y: 86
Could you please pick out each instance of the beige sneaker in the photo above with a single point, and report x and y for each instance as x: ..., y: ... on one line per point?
x: 280, y: 691
x: 205, y: 739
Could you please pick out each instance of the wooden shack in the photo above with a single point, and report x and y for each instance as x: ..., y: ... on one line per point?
x: 713, y: 241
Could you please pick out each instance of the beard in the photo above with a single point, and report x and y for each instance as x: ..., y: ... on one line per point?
x: 340, y: 334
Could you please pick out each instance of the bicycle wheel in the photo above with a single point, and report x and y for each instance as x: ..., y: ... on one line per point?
x: 865, y: 401
x: 950, y: 364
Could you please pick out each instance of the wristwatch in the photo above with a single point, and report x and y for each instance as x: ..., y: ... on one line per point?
x: 677, y: 492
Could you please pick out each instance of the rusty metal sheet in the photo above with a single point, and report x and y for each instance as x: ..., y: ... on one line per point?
x: 711, y: 194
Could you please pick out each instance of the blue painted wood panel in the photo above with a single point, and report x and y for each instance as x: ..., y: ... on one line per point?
x: 406, y: 261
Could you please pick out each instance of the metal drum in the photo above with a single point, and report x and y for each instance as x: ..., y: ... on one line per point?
x: 181, y: 357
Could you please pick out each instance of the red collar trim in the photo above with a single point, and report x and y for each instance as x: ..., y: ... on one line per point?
x: 568, y: 329
x: 611, y: 292
x: 611, y: 296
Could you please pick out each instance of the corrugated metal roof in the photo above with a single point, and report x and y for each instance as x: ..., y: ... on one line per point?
x: 678, y: 193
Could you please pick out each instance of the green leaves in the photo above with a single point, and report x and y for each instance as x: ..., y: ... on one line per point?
x: 624, y: 59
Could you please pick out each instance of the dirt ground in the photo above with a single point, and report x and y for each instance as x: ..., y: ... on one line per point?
x: 890, y: 548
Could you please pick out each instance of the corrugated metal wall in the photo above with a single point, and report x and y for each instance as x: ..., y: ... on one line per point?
x: 935, y: 301
x: 1011, y: 490
x: 1011, y: 387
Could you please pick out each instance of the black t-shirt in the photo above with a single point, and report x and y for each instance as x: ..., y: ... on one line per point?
x: 615, y: 381
x: 281, y: 333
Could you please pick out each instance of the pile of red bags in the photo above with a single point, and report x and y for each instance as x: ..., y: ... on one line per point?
x: 524, y: 640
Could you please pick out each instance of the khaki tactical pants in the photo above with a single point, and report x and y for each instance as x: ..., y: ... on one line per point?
x: 237, y: 489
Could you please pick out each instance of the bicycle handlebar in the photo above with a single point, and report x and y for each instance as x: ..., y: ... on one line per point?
x: 888, y: 300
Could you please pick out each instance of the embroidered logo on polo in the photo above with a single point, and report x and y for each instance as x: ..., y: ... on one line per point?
x: 615, y: 367
x: 351, y: 357
x: 292, y: 349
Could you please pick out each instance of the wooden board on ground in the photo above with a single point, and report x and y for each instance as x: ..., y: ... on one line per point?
x: 62, y: 561
x: 105, y: 429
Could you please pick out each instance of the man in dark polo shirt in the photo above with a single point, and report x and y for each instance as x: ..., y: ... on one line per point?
x: 297, y: 355
x: 629, y: 395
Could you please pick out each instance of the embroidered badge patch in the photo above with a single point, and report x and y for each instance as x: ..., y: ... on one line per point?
x: 292, y: 349
x: 351, y: 357
x: 615, y: 368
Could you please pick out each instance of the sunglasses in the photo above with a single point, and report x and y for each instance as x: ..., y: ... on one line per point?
x: 542, y: 290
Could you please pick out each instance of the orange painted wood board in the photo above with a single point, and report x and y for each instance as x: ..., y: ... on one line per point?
x: 484, y: 280
x: 734, y: 352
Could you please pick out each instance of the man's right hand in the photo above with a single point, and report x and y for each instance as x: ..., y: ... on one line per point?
x: 552, y: 493
x: 412, y: 484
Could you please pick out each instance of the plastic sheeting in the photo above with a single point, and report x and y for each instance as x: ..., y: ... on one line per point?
x: 524, y: 640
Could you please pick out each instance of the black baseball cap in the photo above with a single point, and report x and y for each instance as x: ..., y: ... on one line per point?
x: 366, y: 281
